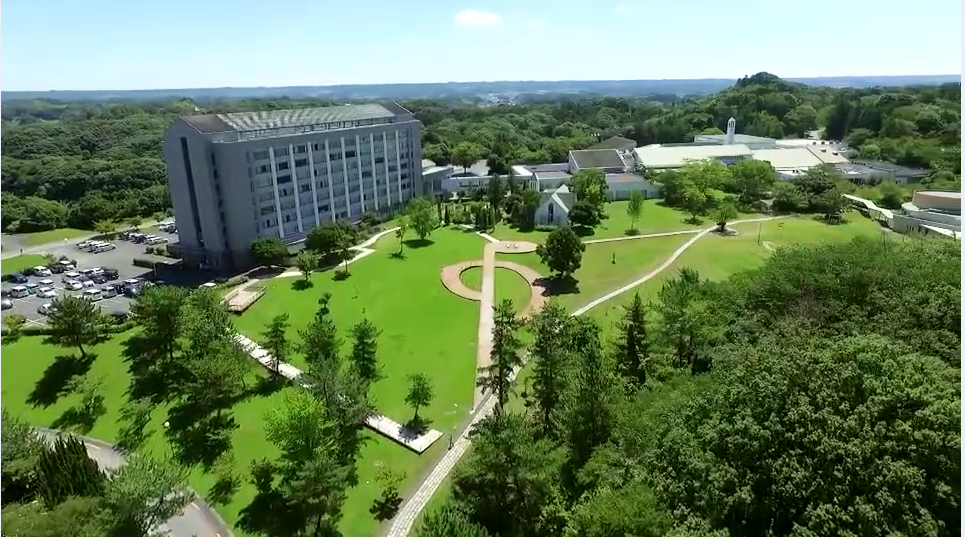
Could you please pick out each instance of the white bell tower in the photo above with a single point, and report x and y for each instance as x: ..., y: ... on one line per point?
x: 731, y: 130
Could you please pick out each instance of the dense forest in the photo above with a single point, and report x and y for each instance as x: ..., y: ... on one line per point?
x: 818, y: 395
x: 75, y: 164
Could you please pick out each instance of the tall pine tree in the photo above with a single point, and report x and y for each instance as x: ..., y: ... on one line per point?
x: 65, y: 470
x: 551, y: 353
x: 365, y: 346
x: 633, y: 344
x: 495, y: 378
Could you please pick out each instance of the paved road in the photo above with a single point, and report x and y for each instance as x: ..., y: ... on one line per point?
x: 198, y: 520
x: 402, y: 524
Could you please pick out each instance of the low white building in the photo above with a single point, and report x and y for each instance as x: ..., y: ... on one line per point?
x: 621, y: 185
x: 671, y: 157
x: 554, y: 207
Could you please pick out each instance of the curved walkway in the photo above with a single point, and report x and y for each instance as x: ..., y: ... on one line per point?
x: 486, y: 296
x: 410, y: 509
x: 197, y: 520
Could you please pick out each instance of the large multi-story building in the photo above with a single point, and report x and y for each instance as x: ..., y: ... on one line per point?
x: 239, y: 176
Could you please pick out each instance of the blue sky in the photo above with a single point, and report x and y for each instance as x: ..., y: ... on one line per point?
x: 130, y: 44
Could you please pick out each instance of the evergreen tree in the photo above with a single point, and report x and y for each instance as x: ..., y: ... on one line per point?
x: 320, y: 341
x: 505, y: 357
x: 552, y: 356
x: 633, y: 343
x: 365, y: 346
x: 277, y: 342
x: 65, y: 470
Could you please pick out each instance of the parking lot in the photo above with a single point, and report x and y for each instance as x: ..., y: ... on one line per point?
x: 119, y: 258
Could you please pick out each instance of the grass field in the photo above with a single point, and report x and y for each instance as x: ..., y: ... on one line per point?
x: 54, y: 235
x: 607, y: 266
x: 28, y: 376
x: 425, y: 329
x: 654, y: 218
x: 21, y: 263
x: 716, y: 258
x: 508, y: 284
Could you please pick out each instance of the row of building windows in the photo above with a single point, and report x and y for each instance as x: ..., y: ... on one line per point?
x: 364, y: 142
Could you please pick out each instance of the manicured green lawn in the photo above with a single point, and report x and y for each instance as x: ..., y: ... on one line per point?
x: 654, y: 218
x: 27, y: 361
x: 21, y: 263
x: 717, y: 258
x: 54, y: 235
x: 607, y: 266
x: 425, y: 329
x: 509, y: 285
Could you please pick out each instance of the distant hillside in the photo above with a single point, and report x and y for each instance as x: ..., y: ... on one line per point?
x: 470, y: 90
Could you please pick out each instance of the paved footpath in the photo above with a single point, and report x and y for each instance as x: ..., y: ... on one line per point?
x: 408, y: 513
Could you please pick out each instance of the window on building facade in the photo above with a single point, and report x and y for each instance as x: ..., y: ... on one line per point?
x: 263, y: 168
x: 299, y: 149
x: 267, y: 210
x: 305, y: 188
x: 379, y: 160
x: 281, y: 166
x: 350, y: 154
x: 393, y: 167
x: 260, y: 155
x: 282, y: 179
x: 334, y: 156
x: 281, y: 152
x: 366, y: 174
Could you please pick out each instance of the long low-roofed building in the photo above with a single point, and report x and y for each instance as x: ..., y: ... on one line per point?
x: 658, y: 157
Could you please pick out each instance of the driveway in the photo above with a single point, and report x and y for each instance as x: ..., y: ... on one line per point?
x: 198, y: 520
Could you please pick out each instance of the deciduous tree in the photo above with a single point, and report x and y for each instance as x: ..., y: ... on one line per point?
x: 634, y: 208
x: 420, y: 393
x: 723, y: 213
x: 421, y: 217
x: 307, y: 263
x: 75, y: 322
x: 562, y: 252
x: 583, y: 214
x: 403, y: 229
x: 268, y: 250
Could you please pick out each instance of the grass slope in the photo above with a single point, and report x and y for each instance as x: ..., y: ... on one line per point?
x: 508, y: 284
x: 21, y: 263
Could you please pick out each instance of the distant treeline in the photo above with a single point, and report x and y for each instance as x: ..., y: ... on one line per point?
x: 77, y: 163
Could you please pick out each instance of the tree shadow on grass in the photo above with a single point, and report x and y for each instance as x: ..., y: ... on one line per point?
x: 583, y: 231
x: 418, y: 243
x: 78, y: 418
x: 223, y: 490
x: 398, y: 256
x: 633, y: 232
x: 302, y: 284
x: 385, y: 507
x: 151, y: 378
x: 198, y: 437
x: 414, y: 428
x: 54, y: 383
x: 556, y: 285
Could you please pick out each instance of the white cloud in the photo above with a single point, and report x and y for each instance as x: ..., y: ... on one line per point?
x: 474, y: 17
x: 536, y: 23
x: 630, y: 9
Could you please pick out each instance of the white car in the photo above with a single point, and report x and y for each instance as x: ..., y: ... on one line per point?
x: 73, y: 285
x: 41, y: 271
x: 70, y: 276
x: 87, y: 284
x: 46, y: 283
x: 46, y: 309
x: 83, y: 244
x: 47, y: 292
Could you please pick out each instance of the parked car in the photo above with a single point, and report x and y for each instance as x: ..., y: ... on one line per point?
x: 19, y: 292
x: 47, y: 292
x: 6, y: 304
x: 105, y: 248
x: 111, y: 274
x: 87, y: 284
x: 17, y: 277
x: 70, y: 276
x: 83, y: 244
x: 98, y: 279
x: 73, y: 285
x: 46, y: 309
x: 56, y: 268
x: 46, y: 283
x: 109, y: 291
x: 32, y: 287
x: 41, y: 271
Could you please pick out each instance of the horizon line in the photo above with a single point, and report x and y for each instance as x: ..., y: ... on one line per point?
x: 790, y: 78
